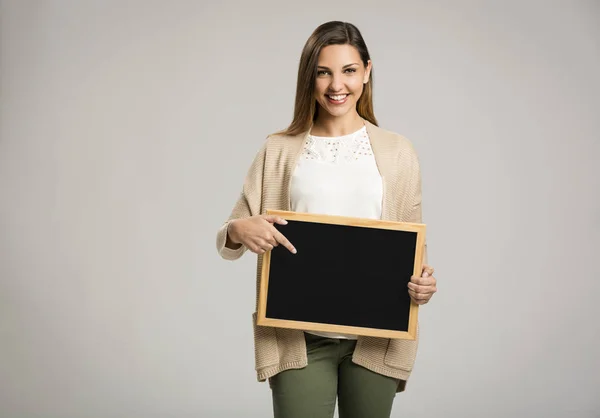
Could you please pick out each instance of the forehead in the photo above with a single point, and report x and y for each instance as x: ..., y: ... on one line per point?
x: 338, y: 55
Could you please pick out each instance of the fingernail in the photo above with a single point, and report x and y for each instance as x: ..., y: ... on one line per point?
x: 284, y: 221
x: 294, y: 251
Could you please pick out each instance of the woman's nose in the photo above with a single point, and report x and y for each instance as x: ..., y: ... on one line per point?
x: 336, y: 83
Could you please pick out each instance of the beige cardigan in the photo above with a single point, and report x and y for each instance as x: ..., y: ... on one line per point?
x: 267, y: 186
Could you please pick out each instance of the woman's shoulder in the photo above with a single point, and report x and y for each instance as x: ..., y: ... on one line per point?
x: 392, y: 139
x: 390, y: 135
x: 280, y: 140
x: 278, y: 146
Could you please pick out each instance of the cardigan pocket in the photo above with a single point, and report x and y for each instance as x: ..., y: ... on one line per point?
x: 401, y: 354
x: 266, y: 352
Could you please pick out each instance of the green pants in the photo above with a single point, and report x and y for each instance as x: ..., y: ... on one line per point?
x: 311, y: 392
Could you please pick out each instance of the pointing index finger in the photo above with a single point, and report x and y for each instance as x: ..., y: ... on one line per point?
x: 284, y: 241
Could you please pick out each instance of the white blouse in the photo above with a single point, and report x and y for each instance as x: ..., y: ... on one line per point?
x: 337, y: 176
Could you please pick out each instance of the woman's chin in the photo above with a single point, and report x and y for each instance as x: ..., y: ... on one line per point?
x: 337, y: 112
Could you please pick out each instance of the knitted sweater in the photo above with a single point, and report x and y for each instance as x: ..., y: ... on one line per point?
x: 267, y: 186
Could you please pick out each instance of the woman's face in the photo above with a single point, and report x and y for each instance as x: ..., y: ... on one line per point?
x: 341, y: 75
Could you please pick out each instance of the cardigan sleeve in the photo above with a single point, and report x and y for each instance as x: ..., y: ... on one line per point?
x: 416, y: 201
x: 248, y: 204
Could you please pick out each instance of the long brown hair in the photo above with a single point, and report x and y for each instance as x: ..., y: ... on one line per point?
x: 305, y: 108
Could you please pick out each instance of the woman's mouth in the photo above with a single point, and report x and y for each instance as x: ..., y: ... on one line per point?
x: 337, y: 98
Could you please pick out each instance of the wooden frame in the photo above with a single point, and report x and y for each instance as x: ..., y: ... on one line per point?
x: 410, y: 333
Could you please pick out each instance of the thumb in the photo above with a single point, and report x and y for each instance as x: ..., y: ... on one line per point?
x: 425, y: 271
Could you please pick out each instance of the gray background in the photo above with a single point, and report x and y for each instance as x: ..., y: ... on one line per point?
x: 127, y: 128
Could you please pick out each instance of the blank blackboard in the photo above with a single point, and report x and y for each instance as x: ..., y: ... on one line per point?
x: 350, y: 275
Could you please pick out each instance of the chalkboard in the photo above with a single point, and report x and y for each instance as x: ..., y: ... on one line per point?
x: 349, y: 275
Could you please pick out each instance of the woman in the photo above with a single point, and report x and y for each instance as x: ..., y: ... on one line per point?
x: 362, y: 171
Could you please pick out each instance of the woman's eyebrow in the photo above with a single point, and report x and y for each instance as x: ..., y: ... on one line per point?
x: 345, y: 66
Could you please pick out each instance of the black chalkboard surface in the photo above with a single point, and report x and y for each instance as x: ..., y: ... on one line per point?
x: 349, y: 275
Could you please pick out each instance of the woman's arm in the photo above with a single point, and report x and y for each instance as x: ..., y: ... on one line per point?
x: 422, y: 288
x: 415, y: 195
x: 248, y: 204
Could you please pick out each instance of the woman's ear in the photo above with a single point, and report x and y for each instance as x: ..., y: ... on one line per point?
x: 367, y: 72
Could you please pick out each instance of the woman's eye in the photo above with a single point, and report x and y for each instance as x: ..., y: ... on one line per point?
x: 325, y: 72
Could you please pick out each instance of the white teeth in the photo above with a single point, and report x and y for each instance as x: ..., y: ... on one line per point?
x: 338, y: 98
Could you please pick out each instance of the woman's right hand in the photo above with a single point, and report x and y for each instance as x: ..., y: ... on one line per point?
x: 258, y: 234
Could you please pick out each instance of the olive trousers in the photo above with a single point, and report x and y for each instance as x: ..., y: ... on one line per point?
x: 311, y: 392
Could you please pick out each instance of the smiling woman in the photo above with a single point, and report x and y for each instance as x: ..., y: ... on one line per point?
x: 333, y: 159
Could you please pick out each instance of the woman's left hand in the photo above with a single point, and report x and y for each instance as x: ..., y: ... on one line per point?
x: 421, y: 289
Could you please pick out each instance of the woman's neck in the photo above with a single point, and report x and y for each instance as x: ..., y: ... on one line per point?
x: 336, y: 126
